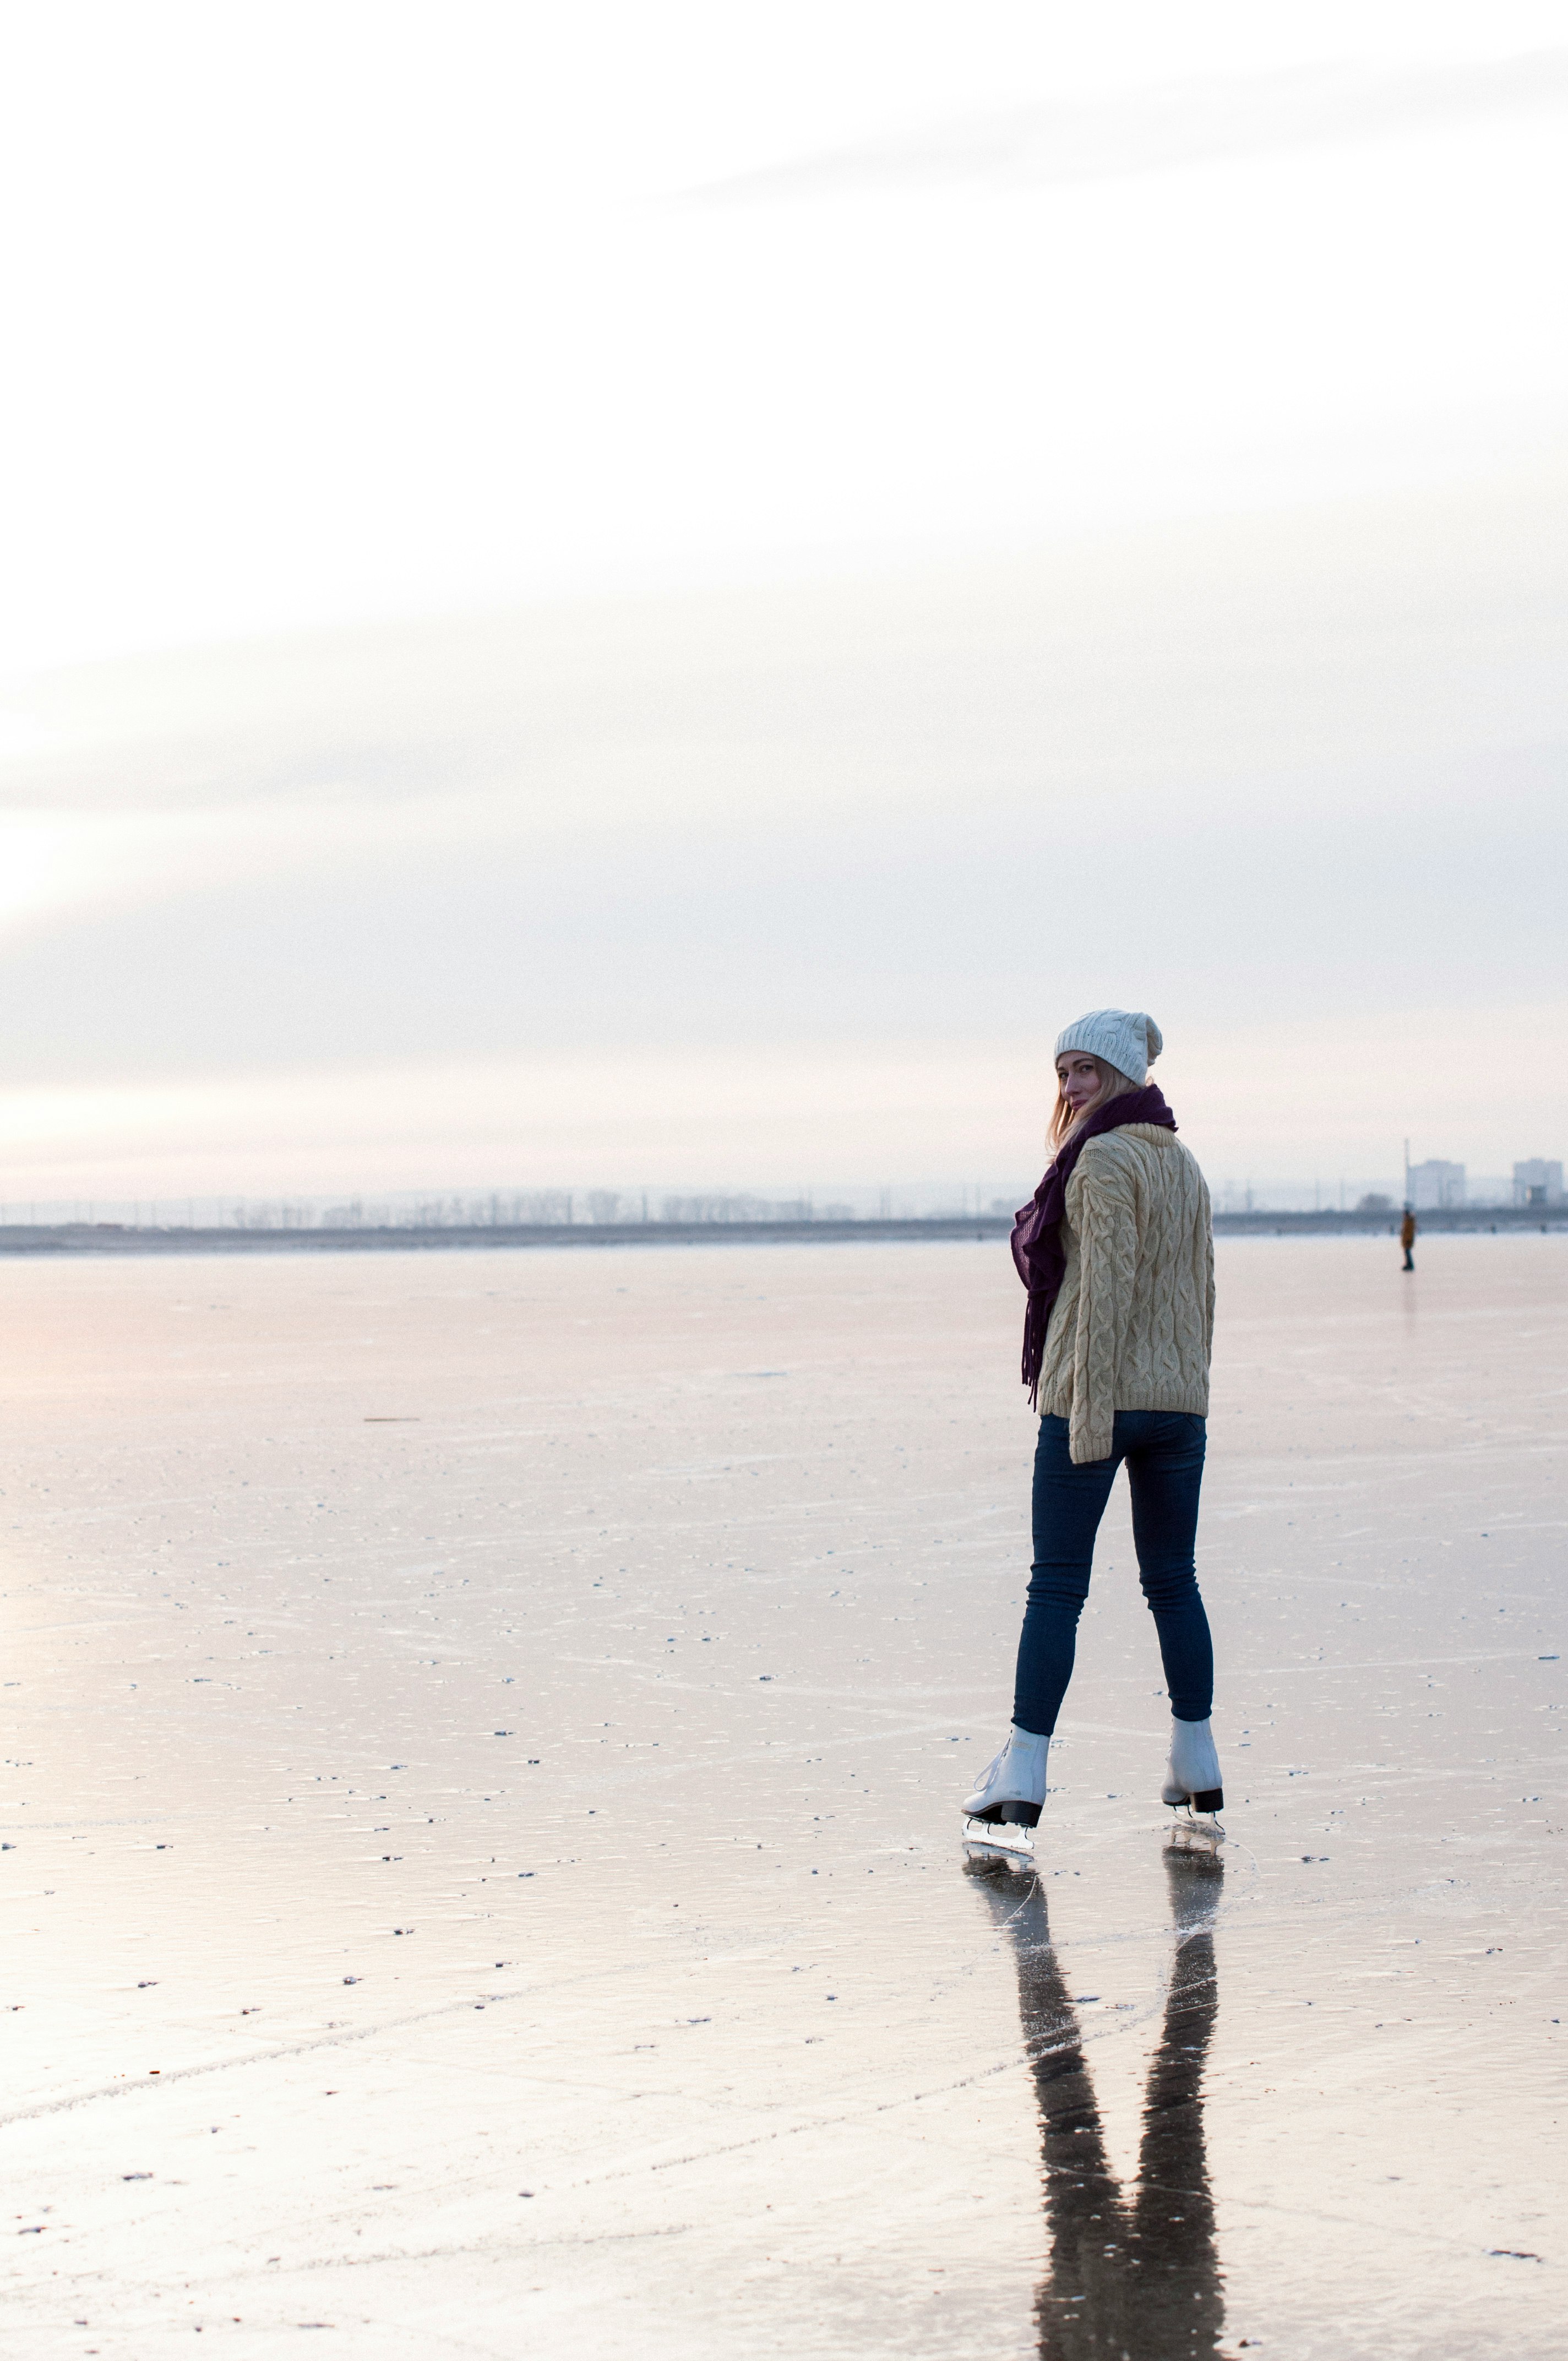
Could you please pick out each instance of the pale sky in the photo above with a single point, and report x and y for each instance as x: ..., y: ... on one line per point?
x: 620, y: 595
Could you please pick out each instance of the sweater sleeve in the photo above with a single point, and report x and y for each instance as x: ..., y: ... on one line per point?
x: 1102, y: 1210
x: 1208, y: 1279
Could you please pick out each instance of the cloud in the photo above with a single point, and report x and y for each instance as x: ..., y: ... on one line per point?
x: 800, y: 1115
x: 1296, y: 777
x: 1056, y: 143
x: 775, y: 1120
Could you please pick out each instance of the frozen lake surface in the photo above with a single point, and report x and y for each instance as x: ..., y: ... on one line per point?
x: 601, y: 1644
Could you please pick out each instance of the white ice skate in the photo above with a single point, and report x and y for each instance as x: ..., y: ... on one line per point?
x: 1192, y: 1775
x: 1008, y: 1799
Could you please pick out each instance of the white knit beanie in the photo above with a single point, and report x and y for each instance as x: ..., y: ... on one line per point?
x: 1125, y: 1039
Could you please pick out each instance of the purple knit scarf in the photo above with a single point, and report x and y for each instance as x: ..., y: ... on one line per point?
x: 1037, y: 1250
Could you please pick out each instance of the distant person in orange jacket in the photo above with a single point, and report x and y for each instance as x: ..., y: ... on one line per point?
x: 1408, y: 1238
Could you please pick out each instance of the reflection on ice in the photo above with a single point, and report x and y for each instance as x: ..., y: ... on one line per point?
x: 1134, y: 2274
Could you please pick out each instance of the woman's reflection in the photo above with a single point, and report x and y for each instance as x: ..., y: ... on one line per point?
x: 1133, y: 2277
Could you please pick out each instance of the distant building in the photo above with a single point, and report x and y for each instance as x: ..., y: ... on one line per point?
x: 1435, y: 1184
x: 1536, y: 1183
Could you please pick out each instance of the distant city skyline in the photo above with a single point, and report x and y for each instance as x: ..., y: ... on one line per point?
x: 1533, y: 1181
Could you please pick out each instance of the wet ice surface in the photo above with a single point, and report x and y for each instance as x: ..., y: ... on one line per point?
x: 598, y: 1643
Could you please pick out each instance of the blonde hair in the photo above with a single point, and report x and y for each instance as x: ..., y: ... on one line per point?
x: 1065, y: 1119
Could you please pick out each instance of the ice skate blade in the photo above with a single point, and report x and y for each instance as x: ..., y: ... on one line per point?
x: 986, y: 1847
x: 1191, y: 1828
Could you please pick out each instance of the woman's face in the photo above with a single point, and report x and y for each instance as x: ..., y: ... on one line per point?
x: 1078, y: 1077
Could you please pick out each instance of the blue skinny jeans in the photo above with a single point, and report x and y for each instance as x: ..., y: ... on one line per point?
x: 1164, y: 1452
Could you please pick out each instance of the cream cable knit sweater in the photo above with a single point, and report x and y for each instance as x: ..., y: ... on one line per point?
x: 1134, y: 1325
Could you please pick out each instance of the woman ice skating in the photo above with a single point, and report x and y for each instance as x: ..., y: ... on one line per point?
x: 1117, y: 1252
x: 1408, y: 1238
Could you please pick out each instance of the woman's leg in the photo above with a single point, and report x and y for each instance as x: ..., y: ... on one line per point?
x: 1069, y: 1504
x: 1165, y: 1470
